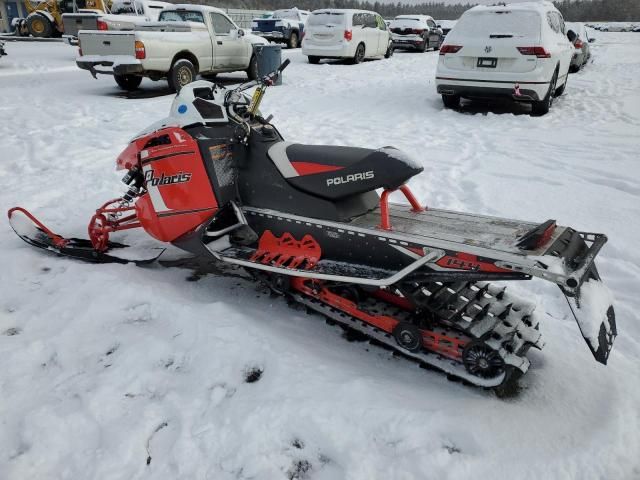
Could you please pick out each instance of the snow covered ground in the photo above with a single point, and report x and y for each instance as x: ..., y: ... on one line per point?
x: 121, y: 372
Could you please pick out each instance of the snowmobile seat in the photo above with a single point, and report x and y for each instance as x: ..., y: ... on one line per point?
x: 335, y: 172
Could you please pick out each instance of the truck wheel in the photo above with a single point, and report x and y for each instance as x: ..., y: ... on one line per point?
x: 293, y: 40
x: 182, y: 73
x: 314, y: 60
x: 39, y: 26
x: 252, y: 71
x: 128, y: 82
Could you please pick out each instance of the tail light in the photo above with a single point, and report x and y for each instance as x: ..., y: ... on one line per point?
x: 539, y: 52
x: 578, y: 44
x: 102, y: 25
x: 417, y: 31
x: 141, y: 54
x: 348, y: 35
x: 444, y: 49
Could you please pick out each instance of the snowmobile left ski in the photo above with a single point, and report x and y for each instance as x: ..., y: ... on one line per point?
x: 218, y: 180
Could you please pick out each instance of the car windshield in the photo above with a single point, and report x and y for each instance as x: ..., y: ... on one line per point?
x: 327, y: 18
x: 290, y: 14
x: 499, y: 24
x: 181, y: 16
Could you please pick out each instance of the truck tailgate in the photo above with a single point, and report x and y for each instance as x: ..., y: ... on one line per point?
x: 74, y: 22
x: 107, y: 43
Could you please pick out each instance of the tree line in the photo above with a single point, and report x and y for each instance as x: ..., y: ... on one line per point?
x: 572, y: 10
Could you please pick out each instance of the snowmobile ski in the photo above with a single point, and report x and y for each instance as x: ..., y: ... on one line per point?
x: 33, y: 232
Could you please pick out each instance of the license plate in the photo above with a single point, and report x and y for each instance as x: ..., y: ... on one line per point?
x: 487, y: 62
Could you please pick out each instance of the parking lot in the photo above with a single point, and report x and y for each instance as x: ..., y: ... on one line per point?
x: 181, y: 346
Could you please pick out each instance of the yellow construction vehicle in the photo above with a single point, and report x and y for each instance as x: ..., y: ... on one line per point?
x: 45, y: 16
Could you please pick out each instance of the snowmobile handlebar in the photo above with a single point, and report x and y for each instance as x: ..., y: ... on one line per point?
x: 267, y: 81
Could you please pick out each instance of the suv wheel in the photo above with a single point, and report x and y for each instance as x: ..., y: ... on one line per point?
x: 425, y: 45
x: 560, y: 91
x: 543, y: 106
x: 314, y: 60
x: 182, y: 73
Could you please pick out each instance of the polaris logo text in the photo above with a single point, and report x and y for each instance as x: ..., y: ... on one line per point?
x: 180, y: 177
x: 356, y: 177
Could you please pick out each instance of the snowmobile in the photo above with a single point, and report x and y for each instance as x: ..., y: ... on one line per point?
x: 315, y: 223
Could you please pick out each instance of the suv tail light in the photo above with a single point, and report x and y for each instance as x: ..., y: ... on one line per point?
x: 578, y: 44
x: 348, y: 35
x: 539, y: 52
x: 418, y: 31
x: 102, y: 25
x: 444, y: 49
x: 141, y: 54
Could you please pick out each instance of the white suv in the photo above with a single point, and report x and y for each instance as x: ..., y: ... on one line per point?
x: 347, y: 34
x: 519, y: 51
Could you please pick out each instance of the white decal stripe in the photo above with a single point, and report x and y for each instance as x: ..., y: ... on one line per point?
x: 154, y: 193
x: 278, y: 153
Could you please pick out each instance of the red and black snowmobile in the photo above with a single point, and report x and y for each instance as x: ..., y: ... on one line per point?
x: 217, y: 179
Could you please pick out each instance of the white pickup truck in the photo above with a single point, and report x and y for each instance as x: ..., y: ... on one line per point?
x: 186, y: 40
x: 123, y: 15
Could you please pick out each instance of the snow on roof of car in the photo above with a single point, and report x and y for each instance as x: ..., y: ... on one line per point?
x: 196, y: 8
x: 411, y: 17
x: 541, y: 7
x: 341, y: 10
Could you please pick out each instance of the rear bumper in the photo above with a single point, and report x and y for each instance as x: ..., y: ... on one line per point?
x: 276, y: 35
x: 125, y: 66
x: 70, y: 40
x: 408, y: 43
x: 526, y: 95
x: 343, y: 50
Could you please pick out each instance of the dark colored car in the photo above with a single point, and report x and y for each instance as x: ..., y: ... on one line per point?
x: 415, y: 32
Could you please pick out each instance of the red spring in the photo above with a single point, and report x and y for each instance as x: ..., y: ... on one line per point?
x: 109, y: 218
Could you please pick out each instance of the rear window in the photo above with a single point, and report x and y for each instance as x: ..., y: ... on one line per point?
x: 408, y: 22
x: 327, y: 18
x: 499, y: 24
x: 288, y: 14
x: 181, y: 16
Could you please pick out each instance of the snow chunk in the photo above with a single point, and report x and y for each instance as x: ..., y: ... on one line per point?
x: 404, y: 157
x: 595, y: 300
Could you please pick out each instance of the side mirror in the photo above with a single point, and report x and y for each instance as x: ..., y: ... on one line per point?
x: 240, y: 33
x: 591, y: 40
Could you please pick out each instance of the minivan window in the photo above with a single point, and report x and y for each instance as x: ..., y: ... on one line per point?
x: 482, y: 25
x: 180, y: 16
x: 358, y: 20
x: 327, y: 18
x: 370, y: 20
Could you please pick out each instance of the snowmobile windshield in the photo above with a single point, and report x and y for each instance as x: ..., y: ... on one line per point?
x: 484, y: 25
x: 327, y: 18
x: 181, y: 16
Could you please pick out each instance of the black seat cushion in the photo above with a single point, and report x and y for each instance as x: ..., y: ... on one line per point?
x: 335, y: 172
